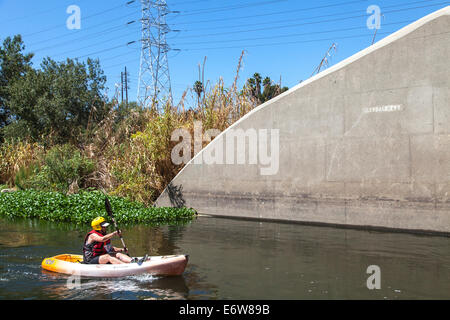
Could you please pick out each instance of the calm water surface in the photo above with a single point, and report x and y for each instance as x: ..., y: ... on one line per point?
x: 234, y: 259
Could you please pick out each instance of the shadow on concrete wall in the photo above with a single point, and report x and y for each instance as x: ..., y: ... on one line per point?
x: 175, y: 194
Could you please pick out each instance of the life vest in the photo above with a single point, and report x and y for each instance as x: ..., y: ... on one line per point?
x: 95, y: 248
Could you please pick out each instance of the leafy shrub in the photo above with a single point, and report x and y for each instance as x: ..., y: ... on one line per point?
x: 65, y: 165
x: 26, y: 176
x: 62, y: 166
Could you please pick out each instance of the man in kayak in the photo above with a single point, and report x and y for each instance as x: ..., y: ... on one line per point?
x: 97, y: 248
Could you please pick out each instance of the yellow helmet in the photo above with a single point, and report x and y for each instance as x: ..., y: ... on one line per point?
x: 96, y: 223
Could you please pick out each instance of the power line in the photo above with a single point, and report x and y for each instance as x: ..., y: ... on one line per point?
x: 296, y: 42
x: 75, y: 32
x: 253, y: 39
x: 307, y: 23
x: 297, y: 18
x: 270, y: 37
x: 188, y: 2
x: 117, y: 27
x: 285, y: 43
x: 121, y: 63
x: 279, y: 43
x: 84, y: 18
x: 275, y: 13
x: 105, y: 50
x: 228, y: 8
x: 273, y: 27
x: 289, y: 35
x: 37, y: 13
x: 292, y: 11
x: 116, y: 56
x: 94, y: 45
x: 92, y: 36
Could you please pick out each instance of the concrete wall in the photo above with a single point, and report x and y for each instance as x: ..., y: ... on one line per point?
x: 364, y: 143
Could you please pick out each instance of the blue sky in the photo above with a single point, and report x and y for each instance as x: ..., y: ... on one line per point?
x: 281, y: 38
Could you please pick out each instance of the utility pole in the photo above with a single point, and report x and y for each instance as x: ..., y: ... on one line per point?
x: 121, y: 84
x: 154, y: 78
x: 124, y: 85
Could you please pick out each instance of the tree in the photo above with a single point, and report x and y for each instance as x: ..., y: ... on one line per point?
x: 270, y: 90
x: 13, y: 66
x: 198, y: 88
x: 254, y: 84
x: 62, y: 99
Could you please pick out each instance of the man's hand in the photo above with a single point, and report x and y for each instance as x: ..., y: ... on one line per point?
x: 109, y: 248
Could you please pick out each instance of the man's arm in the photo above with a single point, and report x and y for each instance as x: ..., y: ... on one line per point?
x: 97, y: 238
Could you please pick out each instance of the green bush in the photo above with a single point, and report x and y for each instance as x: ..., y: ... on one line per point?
x: 82, y: 208
x: 26, y: 176
x: 62, y: 165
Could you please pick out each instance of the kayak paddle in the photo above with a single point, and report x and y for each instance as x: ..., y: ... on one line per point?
x: 110, y: 213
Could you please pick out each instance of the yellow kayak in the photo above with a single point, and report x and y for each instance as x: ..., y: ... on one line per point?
x: 157, y: 265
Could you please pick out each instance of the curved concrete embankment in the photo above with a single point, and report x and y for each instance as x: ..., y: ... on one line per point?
x: 364, y: 143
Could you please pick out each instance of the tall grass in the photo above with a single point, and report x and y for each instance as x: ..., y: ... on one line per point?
x: 16, y: 155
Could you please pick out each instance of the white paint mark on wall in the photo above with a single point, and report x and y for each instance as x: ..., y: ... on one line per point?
x: 388, y: 108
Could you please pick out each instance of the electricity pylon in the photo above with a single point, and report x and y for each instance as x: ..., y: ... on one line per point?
x: 154, y: 78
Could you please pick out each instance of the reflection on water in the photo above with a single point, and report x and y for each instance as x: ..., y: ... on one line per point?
x: 234, y: 259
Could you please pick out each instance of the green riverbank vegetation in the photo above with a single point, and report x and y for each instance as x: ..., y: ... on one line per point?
x: 83, y: 207
x: 59, y: 132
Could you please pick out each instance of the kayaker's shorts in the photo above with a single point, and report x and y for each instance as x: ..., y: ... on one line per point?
x: 94, y: 260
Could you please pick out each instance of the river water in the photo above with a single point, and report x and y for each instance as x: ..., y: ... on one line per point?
x: 235, y: 259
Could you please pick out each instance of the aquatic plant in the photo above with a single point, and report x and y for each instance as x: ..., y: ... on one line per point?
x: 83, y: 207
